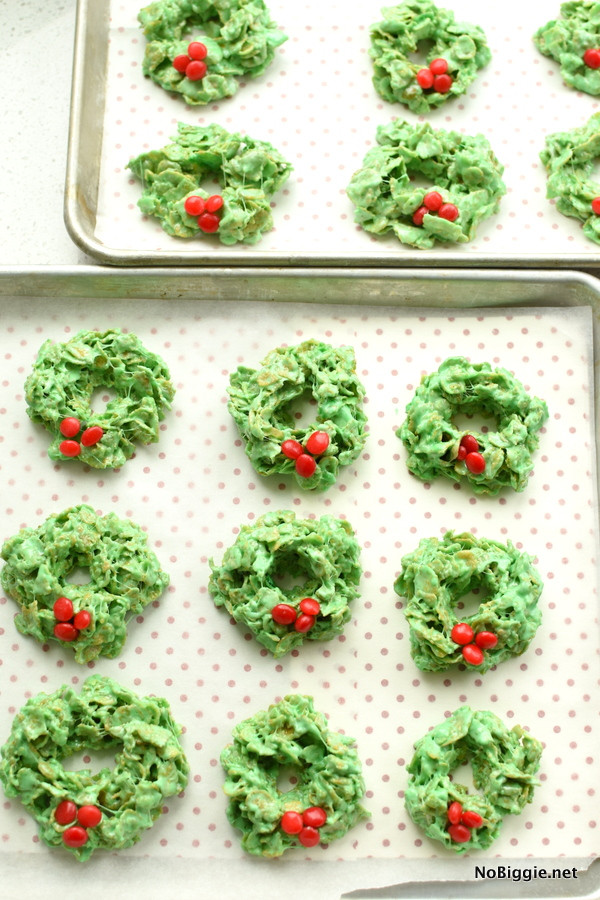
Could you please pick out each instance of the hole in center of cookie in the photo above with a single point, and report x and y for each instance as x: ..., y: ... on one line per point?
x: 79, y: 575
x: 300, y: 412
x: 478, y: 422
x: 100, y: 398
x: 287, y: 581
x: 470, y: 602
x: 287, y: 779
x: 464, y: 775
x: 419, y: 57
x: 92, y: 760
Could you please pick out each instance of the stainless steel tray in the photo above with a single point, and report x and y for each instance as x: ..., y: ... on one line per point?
x: 52, y: 299
x: 519, y: 236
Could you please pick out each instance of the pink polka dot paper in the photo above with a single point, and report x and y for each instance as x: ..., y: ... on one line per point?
x: 317, y: 105
x: 194, y: 489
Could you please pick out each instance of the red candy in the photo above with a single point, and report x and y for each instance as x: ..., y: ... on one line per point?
x: 305, y: 465
x: 419, y: 215
x: 197, y: 50
x: 309, y: 837
x: 65, y: 812
x: 291, y: 822
x: 462, y: 453
x: 75, y: 836
x: 472, y: 654
x: 196, y: 70
x: 475, y: 463
x: 591, y: 58
x: 63, y: 609
x: 283, y: 614
x: 442, y: 84
x: 448, y: 210
x: 433, y: 201
x: 470, y: 443
x: 70, y: 426
x: 91, y: 436
x: 462, y: 633
x: 214, y: 203
x: 460, y: 834
x: 315, y: 816
x: 304, y: 623
x: 89, y: 816
x: 181, y: 62
x: 207, y: 222
x: 69, y: 448
x: 596, y: 205
x: 471, y: 819
x: 425, y: 78
x: 194, y: 205
x: 310, y: 606
x: 438, y: 66
x: 82, y: 620
x: 486, y: 640
x: 317, y: 443
x: 455, y: 812
x: 64, y: 631
x: 291, y: 449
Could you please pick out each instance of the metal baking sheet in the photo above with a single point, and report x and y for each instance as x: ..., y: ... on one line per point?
x: 316, y: 103
x: 204, y: 324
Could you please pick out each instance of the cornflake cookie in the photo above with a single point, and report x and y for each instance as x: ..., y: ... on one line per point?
x: 199, y: 49
x: 488, y: 461
x: 573, y: 40
x: 437, y: 574
x: 261, y: 403
x: 570, y: 158
x: 60, y: 389
x: 456, y: 51
x: 504, y: 764
x: 82, y: 811
x: 465, y: 185
x: 321, y: 806
x: 91, y: 619
x: 322, y: 551
x: 249, y: 173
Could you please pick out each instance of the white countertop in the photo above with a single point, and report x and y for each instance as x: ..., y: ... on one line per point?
x: 35, y: 70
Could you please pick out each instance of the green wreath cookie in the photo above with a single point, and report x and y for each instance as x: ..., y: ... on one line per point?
x: 465, y: 186
x: 570, y: 158
x: 456, y: 51
x: 249, y: 173
x: 324, y: 803
x: 60, y: 388
x: 573, y: 41
x: 91, y: 619
x: 437, y: 574
x: 487, y: 461
x: 504, y: 764
x: 322, y: 551
x: 80, y: 810
x: 224, y: 40
x: 261, y: 403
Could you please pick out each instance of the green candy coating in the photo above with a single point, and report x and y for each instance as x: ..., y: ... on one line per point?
x: 149, y: 762
x: 432, y: 440
x: 249, y: 173
x: 570, y: 159
x: 462, y: 168
x: 403, y: 27
x: 64, y: 379
x: 125, y: 576
x: 290, y: 734
x: 260, y: 401
x: 437, y: 574
x: 566, y: 39
x: 504, y: 764
x: 239, y: 35
x: 324, y: 551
